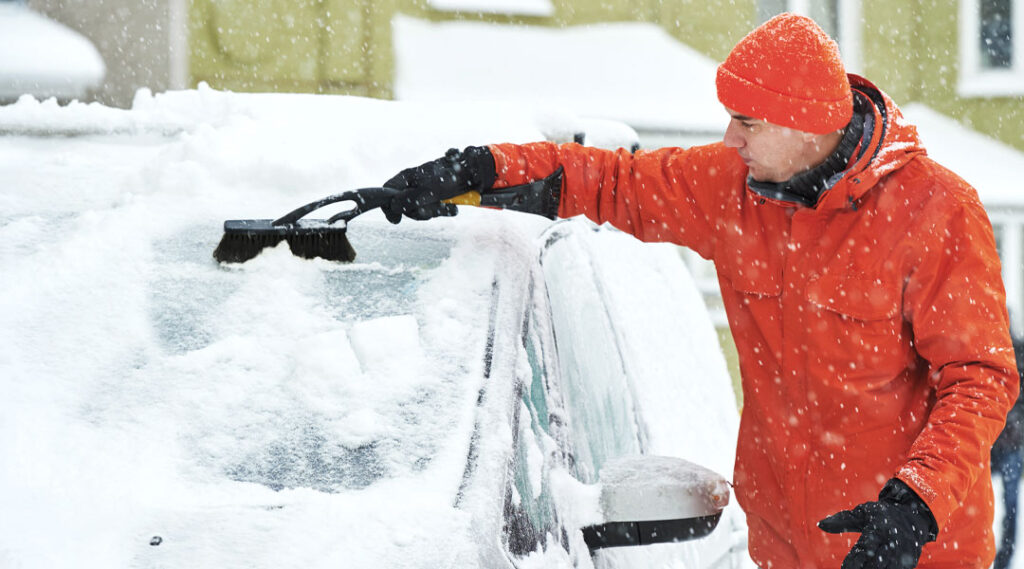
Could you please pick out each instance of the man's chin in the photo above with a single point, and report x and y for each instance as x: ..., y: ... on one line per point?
x: 764, y: 178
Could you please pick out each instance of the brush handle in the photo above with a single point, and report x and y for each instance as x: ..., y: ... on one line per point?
x: 540, y: 196
x: 364, y: 198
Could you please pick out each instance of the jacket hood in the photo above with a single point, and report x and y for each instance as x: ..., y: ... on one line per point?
x: 889, y: 143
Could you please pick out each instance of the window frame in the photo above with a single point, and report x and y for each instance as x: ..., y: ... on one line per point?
x: 976, y: 81
x: 532, y: 8
x: 1008, y: 229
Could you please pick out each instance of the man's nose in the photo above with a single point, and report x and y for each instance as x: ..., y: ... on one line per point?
x: 732, y: 137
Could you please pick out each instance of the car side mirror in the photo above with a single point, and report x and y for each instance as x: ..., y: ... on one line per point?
x: 656, y: 499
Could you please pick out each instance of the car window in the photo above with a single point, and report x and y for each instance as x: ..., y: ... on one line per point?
x: 600, y: 411
x: 575, y: 409
x: 530, y: 512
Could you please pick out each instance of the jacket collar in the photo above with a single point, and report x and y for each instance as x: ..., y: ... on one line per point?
x: 893, y: 144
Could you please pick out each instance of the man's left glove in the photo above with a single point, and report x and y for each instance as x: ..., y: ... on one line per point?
x: 893, y: 529
x: 425, y: 186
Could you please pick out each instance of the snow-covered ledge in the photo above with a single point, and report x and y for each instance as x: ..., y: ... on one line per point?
x: 541, y: 8
x: 991, y: 84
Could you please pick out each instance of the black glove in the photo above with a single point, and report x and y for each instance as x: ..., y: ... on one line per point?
x: 426, y: 185
x: 893, y: 529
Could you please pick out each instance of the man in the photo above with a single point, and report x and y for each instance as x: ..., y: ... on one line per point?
x: 862, y: 287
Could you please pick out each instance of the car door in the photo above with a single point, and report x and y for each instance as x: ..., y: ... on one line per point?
x: 580, y: 408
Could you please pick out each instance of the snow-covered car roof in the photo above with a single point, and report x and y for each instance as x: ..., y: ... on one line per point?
x: 43, y: 58
x: 163, y: 410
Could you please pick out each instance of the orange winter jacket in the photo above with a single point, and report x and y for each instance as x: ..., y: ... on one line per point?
x: 872, y: 328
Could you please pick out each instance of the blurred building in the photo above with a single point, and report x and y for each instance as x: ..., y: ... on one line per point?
x: 964, y: 59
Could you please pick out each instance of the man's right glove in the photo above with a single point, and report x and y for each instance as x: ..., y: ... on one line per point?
x: 425, y: 186
x: 893, y: 530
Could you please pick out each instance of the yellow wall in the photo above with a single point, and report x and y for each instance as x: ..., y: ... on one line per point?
x: 709, y: 27
x: 326, y: 46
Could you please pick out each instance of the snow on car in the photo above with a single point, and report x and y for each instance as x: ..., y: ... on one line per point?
x: 43, y: 58
x: 448, y: 399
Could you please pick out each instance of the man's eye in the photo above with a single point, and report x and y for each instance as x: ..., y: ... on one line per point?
x: 747, y: 124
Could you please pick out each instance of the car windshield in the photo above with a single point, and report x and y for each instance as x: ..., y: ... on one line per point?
x: 337, y: 394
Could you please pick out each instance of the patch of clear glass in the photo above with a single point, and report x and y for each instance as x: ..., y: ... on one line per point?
x: 996, y: 34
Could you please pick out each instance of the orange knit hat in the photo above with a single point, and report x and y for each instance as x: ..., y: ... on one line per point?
x: 787, y: 72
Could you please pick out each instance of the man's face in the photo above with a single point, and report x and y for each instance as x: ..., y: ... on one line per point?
x: 772, y: 153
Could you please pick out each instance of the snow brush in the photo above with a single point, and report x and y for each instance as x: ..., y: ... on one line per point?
x: 325, y: 238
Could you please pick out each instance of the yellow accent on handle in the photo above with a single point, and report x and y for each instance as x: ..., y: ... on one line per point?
x: 468, y: 198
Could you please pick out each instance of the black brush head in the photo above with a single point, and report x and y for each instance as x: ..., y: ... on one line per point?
x: 244, y: 239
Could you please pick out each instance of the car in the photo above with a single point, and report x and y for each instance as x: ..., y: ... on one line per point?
x: 494, y: 389
x: 43, y: 58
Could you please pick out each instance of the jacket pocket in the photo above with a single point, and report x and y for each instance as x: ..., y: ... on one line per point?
x: 854, y: 334
x: 755, y: 279
x: 858, y: 297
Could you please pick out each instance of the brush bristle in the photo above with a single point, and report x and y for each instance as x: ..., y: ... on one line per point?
x: 329, y: 246
x: 238, y: 245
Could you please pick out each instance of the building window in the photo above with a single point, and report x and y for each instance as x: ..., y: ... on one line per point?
x: 841, y: 20
x: 995, y: 34
x: 991, y: 49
